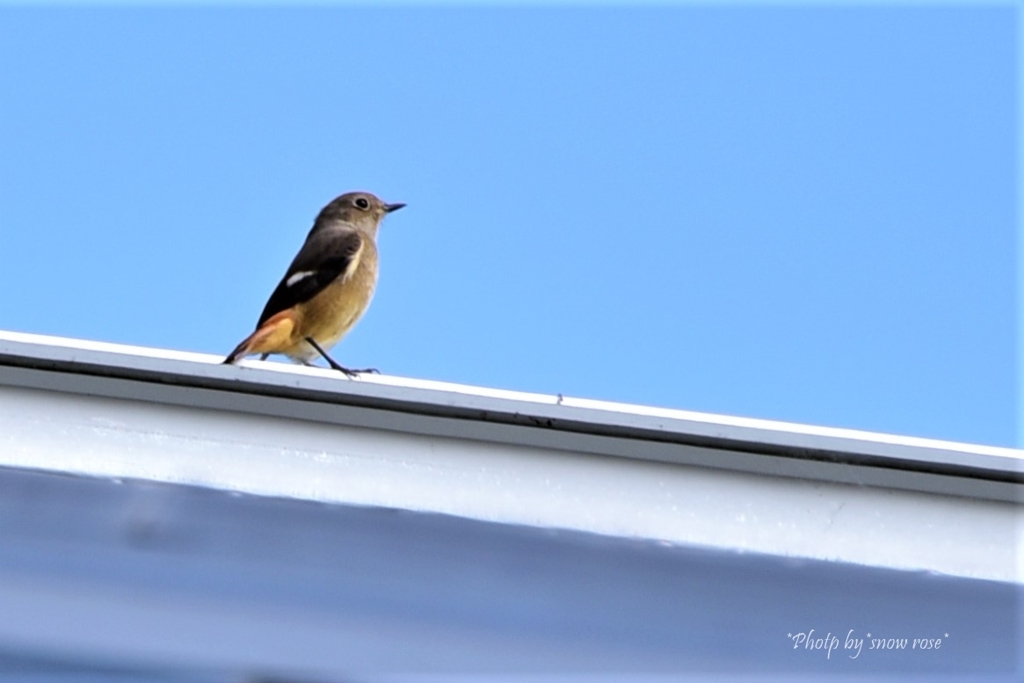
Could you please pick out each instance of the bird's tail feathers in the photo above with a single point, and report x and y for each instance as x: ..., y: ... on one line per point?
x: 273, y: 336
x: 240, y: 351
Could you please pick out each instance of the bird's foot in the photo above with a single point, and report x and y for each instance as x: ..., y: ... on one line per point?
x: 336, y: 365
x: 352, y: 372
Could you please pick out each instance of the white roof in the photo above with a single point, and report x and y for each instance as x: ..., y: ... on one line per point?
x: 164, y: 517
x: 677, y: 476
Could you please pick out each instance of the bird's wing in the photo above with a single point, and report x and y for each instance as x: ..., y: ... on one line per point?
x: 326, y: 256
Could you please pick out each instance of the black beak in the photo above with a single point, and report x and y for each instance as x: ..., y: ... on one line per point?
x: 388, y: 208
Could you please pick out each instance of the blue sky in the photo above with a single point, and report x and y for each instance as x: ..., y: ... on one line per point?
x: 795, y: 212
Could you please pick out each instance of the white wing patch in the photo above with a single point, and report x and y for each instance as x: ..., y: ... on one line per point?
x: 298, y: 277
x: 354, y: 263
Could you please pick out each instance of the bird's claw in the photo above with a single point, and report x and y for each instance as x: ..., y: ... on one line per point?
x: 361, y: 371
x: 351, y: 373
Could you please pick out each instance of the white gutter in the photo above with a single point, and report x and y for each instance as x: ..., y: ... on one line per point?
x: 677, y: 476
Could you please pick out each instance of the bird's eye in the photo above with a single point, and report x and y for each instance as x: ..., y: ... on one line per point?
x: 362, y: 203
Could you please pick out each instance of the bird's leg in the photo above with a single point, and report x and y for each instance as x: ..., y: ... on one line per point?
x: 264, y: 356
x: 335, y: 364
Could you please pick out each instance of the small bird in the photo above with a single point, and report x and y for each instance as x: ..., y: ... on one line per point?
x: 327, y: 287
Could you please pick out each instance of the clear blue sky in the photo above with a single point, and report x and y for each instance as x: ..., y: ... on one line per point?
x: 795, y: 213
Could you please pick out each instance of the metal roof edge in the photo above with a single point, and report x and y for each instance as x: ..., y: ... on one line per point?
x: 550, y: 413
x: 100, y: 410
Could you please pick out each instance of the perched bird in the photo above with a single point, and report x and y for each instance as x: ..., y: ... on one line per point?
x: 327, y: 287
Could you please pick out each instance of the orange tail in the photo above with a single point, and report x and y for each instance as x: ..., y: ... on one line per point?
x: 273, y: 336
x: 240, y: 351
